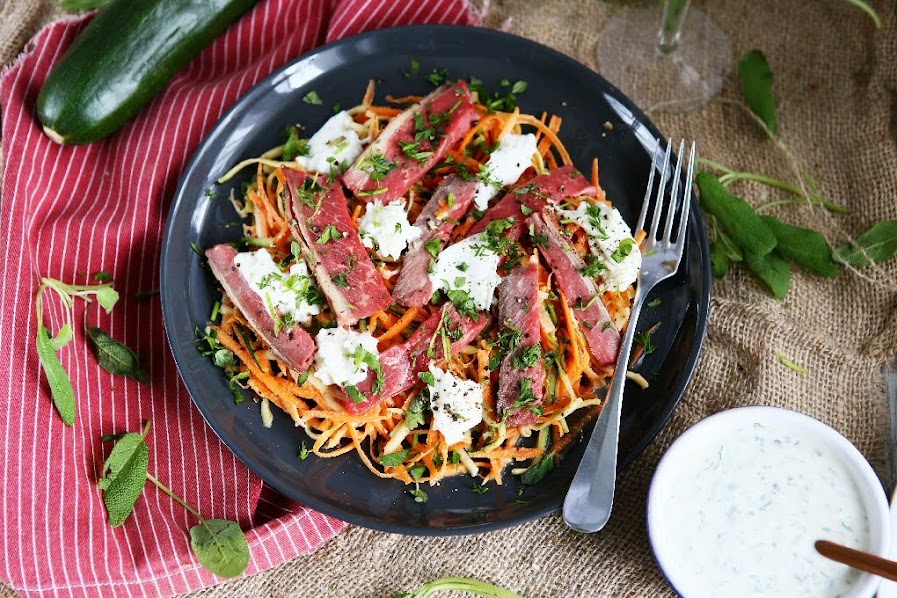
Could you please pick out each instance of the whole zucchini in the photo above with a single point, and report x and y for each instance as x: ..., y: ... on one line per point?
x: 122, y: 59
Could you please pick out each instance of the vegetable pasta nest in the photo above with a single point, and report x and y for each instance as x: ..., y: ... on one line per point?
x: 428, y: 283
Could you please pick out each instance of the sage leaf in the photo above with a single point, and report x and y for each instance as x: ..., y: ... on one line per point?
x: 536, y: 472
x: 107, y: 297
x: 62, y: 338
x: 737, y: 217
x: 124, y: 476
x: 220, y: 546
x: 114, y: 357
x: 756, y: 87
x: 719, y: 260
x: 803, y: 246
x: 60, y: 386
x: 879, y: 244
x: 773, y: 270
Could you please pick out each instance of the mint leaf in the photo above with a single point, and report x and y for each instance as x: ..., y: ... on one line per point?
x: 394, y: 459
x: 60, y: 386
x: 220, y: 546
x: 114, y: 357
x: 124, y: 476
x: 756, y: 86
x: 879, y: 243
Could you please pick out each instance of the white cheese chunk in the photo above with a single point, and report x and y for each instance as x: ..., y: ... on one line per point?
x: 457, y: 404
x: 505, y: 165
x: 337, y: 359
x: 284, y: 292
x: 470, y: 266
x: 333, y: 144
x: 386, y: 229
x: 611, y: 243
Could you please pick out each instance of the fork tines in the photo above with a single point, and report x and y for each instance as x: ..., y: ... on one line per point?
x: 668, y: 206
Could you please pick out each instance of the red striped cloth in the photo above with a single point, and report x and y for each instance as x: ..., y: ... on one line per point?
x: 72, y: 211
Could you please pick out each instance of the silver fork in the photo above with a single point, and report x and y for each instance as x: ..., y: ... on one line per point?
x: 590, y: 498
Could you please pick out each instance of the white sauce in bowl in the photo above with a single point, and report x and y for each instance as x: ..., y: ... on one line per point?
x: 736, y: 508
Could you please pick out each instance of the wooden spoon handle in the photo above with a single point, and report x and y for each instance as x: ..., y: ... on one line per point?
x: 858, y: 559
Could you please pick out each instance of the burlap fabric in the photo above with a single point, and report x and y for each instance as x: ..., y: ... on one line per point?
x: 836, y: 81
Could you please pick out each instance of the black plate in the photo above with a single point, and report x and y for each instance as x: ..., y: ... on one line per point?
x: 342, y: 486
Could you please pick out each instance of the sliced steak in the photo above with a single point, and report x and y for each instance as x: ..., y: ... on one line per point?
x: 340, y: 263
x: 439, y: 217
x: 402, y: 363
x: 293, y: 345
x: 522, y: 375
x: 595, y: 322
x: 411, y: 144
x: 553, y: 187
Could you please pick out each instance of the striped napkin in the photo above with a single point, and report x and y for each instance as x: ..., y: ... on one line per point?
x: 73, y: 211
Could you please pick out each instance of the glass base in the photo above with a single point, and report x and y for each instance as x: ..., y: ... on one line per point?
x: 680, y: 81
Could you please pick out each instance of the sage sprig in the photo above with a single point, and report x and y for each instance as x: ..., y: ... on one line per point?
x: 219, y: 544
x: 48, y: 345
x: 767, y: 245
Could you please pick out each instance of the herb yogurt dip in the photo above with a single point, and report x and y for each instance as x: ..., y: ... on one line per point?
x: 741, y: 511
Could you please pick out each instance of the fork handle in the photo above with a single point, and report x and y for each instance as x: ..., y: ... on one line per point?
x: 590, y: 498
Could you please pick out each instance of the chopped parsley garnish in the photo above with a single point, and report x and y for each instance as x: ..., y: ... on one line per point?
x: 414, y: 70
x: 303, y: 452
x: 294, y: 146
x: 593, y: 267
x: 654, y: 302
x: 527, y: 398
x: 644, y: 339
x: 414, y: 417
x: 495, y: 240
x: 463, y: 266
x: 527, y: 211
x: 504, y: 100
x: 479, y: 488
x: 528, y: 357
x: 433, y: 247
x: 330, y: 233
x: 313, y: 98
x: 340, y: 279
x: 412, y: 150
x: 362, y: 355
x: 437, y: 78
x: 623, y: 251
x: 354, y: 393
x: 309, y: 193
x: 509, y: 339
x: 427, y: 378
x: 594, y: 214
x: 463, y: 302
x: 378, y: 166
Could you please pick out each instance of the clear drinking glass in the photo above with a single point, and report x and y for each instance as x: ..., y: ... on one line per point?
x: 664, y: 56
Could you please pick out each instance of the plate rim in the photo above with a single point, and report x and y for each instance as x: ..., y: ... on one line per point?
x: 180, y: 199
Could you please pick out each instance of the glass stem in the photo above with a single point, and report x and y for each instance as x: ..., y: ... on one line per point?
x: 671, y: 25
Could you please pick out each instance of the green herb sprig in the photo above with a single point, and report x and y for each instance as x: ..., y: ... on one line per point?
x: 48, y: 345
x: 219, y: 544
x: 766, y: 244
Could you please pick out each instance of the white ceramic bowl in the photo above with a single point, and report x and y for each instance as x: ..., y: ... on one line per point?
x: 739, y: 499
